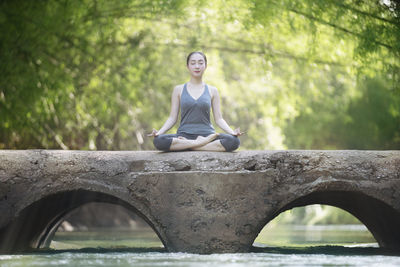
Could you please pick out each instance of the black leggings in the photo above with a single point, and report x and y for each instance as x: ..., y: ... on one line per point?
x: 228, y: 141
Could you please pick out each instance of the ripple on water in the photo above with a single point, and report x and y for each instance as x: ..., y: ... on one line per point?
x: 122, y: 259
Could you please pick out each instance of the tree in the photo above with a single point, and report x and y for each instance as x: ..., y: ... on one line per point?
x: 96, y: 74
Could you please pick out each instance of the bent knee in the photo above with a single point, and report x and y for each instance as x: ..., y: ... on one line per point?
x: 230, y: 142
x: 162, y: 143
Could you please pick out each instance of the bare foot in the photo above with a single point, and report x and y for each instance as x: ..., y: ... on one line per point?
x: 203, y: 140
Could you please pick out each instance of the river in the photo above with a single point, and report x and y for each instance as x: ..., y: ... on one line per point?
x: 349, y: 245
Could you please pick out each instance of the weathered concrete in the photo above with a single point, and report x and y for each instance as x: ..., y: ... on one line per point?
x: 198, y: 202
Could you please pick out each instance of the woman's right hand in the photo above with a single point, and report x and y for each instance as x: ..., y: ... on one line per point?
x: 153, y: 133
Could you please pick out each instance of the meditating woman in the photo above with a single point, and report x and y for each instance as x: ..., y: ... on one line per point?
x: 195, y: 99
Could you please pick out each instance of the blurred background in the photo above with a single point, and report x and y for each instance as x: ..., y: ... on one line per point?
x: 292, y: 74
x: 98, y: 75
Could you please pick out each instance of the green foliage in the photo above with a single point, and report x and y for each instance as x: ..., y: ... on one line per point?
x: 69, y: 74
x: 368, y: 121
x: 98, y: 74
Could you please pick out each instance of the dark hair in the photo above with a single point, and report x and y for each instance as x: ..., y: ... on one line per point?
x: 196, y: 52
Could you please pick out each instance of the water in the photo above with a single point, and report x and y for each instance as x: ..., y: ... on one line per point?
x: 284, y: 246
x: 182, y: 259
x: 277, y: 257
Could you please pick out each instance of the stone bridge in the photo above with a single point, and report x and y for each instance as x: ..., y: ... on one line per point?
x: 201, y: 202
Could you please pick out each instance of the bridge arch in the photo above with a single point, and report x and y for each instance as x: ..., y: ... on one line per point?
x: 37, y: 223
x: 381, y: 219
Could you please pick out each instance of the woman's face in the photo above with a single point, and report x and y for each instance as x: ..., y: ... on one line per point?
x: 196, y: 65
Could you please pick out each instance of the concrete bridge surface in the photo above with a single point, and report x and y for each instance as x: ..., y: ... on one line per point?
x: 201, y: 202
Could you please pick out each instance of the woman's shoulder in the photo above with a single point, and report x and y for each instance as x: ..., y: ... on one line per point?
x: 179, y: 86
x: 212, y: 89
x: 178, y: 89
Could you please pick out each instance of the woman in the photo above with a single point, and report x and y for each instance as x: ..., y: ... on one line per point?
x: 195, y: 100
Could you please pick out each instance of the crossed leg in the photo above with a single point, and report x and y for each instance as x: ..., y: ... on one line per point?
x: 212, y: 146
x: 213, y: 142
x: 181, y: 143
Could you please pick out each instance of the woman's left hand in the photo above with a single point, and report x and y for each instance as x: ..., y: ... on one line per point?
x: 237, y: 132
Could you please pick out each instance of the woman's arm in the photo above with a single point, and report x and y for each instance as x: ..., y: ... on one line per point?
x: 216, y: 107
x: 173, y: 115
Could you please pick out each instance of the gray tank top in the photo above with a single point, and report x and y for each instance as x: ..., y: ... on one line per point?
x: 195, y: 114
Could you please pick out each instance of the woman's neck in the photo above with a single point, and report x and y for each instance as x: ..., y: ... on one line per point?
x: 196, y: 80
